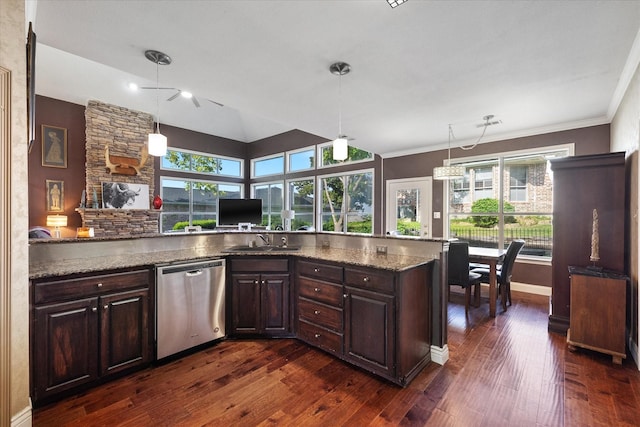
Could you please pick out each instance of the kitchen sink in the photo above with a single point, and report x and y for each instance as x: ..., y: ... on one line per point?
x: 261, y: 248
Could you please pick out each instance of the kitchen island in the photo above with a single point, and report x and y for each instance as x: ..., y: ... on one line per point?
x: 387, y: 314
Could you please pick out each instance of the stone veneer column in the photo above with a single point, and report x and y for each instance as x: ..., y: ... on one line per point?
x: 125, y: 132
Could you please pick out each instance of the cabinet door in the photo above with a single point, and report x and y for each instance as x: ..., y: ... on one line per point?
x: 245, y: 303
x: 124, y: 338
x: 275, y: 304
x: 66, y: 346
x: 369, y: 330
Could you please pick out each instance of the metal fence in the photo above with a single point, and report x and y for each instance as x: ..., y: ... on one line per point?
x: 537, y: 242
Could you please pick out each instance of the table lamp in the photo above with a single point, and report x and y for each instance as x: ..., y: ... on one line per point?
x: 56, y: 221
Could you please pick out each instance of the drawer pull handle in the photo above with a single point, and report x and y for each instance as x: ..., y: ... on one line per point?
x: 94, y: 309
x: 316, y: 270
x: 316, y: 311
x: 99, y: 285
x: 316, y: 289
x: 317, y: 335
x: 365, y: 278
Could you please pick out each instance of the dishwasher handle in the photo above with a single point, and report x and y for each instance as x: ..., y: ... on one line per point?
x: 193, y: 273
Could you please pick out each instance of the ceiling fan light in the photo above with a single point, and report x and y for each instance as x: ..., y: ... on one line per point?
x: 157, y: 144
x: 449, y: 172
x: 340, y: 148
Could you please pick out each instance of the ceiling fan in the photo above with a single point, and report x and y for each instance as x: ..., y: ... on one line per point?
x: 184, y: 94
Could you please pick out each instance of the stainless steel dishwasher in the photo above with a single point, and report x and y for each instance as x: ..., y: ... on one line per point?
x: 190, y: 305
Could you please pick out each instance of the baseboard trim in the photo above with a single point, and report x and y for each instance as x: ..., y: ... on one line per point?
x: 440, y: 355
x: 22, y: 418
x: 633, y: 349
x: 531, y: 289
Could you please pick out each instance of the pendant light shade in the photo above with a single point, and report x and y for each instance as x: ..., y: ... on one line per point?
x: 157, y: 143
x: 340, y: 144
x: 340, y: 148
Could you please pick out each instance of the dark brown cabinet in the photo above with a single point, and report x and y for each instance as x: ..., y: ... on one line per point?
x: 260, y: 296
x: 581, y: 184
x: 87, y: 328
x: 376, y: 319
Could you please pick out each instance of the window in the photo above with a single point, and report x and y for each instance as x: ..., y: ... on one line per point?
x: 483, y: 183
x: 301, y: 199
x: 188, y: 161
x: 347, y: 202
x: 518, y: 183
x: 265, y: 166
x: 192, y: 202
x: 512, y: 199
x: 272, y: 203
x: 325, y: 153
x: 301, y: 160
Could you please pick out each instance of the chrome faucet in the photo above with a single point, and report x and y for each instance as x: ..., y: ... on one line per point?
x: 265, y: 239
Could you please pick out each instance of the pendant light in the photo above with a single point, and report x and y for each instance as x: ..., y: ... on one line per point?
x: 340, y: 144
x: 157, y: 143
x: 449, y: 171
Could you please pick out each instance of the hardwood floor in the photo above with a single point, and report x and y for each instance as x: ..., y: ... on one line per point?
x: 507, y: 371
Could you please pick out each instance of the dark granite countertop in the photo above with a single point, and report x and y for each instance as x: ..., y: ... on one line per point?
x: 38, y: 270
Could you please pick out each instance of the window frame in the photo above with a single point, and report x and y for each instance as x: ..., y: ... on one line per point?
x: 500, y: 156
x: 287, y: 155
x: 210, y: 155
x: 318, y: 207
x: 268, y: 157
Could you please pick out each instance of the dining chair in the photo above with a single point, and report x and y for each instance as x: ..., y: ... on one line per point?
x: 458, y: 271
x: 504, y: 270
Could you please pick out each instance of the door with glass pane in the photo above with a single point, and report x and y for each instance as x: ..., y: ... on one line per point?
x: 409, y: 207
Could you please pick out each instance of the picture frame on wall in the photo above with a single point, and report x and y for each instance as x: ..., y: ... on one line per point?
x: 54, y: 146
x: 55, y: 195
x: 121, y: 195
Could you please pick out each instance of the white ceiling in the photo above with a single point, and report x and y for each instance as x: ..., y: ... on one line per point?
x: 536, y: 65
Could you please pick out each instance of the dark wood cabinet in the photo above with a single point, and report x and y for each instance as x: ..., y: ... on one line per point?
x: 597, y: 313
x: 581, y: 184
x: 87, y: 328
x: 373, y: 318
x: 260, y: 296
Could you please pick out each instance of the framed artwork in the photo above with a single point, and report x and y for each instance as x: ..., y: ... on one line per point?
x: 121, y: 195
x: 55, y: 196
x: 54, y: 147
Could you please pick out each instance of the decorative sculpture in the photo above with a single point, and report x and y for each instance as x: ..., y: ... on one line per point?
x: 122, y: 165
x: 595, y: 239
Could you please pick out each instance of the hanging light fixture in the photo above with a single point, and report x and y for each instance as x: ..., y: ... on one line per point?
x: 449, y: 171
x: 157, y: 143
x: 340, y: 144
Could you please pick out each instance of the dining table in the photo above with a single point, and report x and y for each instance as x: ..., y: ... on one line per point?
x: 491, y: 257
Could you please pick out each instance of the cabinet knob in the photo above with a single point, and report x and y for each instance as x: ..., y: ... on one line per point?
x: 106, y: 307
x: 316, y: 311
x: 317, y: 335
x: 263, y: 282
x: 255, y: 282
x: 94, y: 309
x: 345, y: 295
x: 316, y: 270
x: 365, y: 278
x: 316, y: 289
x: 99, y: 285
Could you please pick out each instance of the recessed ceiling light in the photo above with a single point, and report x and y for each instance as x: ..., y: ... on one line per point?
x: 133, y: 86
x: 186, y: 94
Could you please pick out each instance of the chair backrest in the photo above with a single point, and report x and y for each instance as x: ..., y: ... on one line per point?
x: 510, y: 259
x: 458, y: 263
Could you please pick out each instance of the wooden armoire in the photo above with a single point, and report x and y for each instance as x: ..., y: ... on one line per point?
x: 581, y: 184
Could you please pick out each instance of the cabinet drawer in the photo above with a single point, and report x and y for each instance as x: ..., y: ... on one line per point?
x: 320, y: 337
x: 320, y: 314
x: 320, y: 291
x: 329, y: 273
x: 88, y: 286
x: 369, y: 279
x: 259, y: 265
